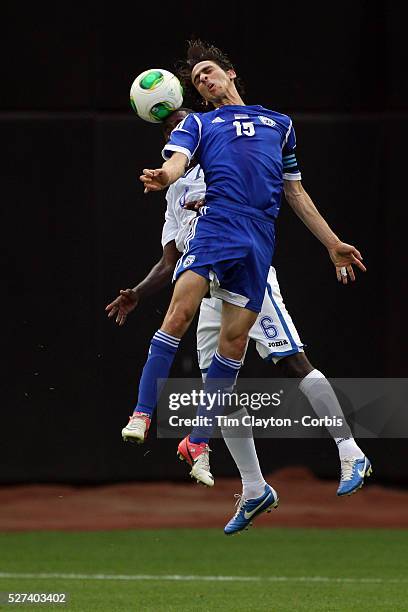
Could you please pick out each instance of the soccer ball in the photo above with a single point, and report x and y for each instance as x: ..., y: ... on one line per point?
x: 155, y: 94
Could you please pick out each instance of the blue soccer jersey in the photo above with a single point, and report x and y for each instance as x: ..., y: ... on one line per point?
x: 245, y: 152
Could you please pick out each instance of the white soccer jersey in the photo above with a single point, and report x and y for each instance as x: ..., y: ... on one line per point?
x: 188, y: 188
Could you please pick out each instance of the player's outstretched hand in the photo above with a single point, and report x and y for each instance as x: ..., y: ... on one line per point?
x: 126, y: 301
x: 154, y: 180
x: 345, y: 256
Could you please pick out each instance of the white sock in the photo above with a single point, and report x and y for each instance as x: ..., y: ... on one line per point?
x: 243, y: 452
x: 348, y: 448
x: 324, y: 402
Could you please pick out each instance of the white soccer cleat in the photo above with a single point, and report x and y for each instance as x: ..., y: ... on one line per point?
x: 137, y: 428
x: 198, y: 456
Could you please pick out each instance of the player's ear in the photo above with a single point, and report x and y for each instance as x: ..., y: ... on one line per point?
x: 232, y: 74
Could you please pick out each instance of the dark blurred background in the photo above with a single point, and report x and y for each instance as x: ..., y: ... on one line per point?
x: 78, y: 227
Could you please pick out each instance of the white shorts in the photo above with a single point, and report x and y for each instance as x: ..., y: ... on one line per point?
x: 273, y: 331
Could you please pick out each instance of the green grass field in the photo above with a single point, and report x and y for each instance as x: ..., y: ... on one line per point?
x: 265, y: 569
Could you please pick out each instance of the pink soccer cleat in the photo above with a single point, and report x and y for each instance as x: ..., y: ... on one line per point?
x: 197, y: 455
x: 137, y: 428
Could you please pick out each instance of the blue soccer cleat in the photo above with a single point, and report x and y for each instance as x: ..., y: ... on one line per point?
x: 353, y: 472
x: 248, y: 509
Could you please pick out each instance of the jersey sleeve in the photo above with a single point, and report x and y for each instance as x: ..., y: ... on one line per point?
x: 171, y: 225
x: 185, y: 138
x: 291, y: 171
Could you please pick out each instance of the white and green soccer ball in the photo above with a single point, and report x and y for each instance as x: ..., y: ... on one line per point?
x: 155, y: 94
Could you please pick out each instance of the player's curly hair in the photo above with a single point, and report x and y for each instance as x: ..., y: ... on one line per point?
x: 199, y: 51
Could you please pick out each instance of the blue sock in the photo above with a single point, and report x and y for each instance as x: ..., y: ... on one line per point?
x: 221, y: 376
x: 162, y: 351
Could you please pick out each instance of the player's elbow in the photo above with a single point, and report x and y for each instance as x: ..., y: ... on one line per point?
x: 164, y: 269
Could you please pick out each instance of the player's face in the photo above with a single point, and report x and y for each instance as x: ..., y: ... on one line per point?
x: 211, y: 81
x: 171, y: 122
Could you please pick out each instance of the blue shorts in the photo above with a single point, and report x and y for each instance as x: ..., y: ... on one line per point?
x: 233, y: 251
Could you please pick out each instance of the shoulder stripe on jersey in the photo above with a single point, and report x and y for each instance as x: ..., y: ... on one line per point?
x: 179, y: 126
x: 200, y: 125
x: 287, y: 133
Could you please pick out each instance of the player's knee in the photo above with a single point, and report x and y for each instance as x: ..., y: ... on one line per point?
x: 233, y: 346
x: 240, y: 343
x: 178, y: 320
x: 295, y: 366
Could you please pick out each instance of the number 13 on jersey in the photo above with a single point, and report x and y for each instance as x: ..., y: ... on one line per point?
x: 244, y: 127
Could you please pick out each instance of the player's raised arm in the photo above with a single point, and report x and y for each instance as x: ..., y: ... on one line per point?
x: 343, y: 255
x: 178, y: 151
x: 172, y: 169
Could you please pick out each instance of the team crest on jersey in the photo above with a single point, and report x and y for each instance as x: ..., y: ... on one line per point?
x: 266, y: 120
x: 188, y: 261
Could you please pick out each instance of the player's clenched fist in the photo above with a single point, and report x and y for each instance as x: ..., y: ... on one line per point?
x: 154, y: 180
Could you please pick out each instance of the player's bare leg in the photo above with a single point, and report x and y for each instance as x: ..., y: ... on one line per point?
x: 235, y: 325
x: 294, y: 366
x: 188, y: 292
